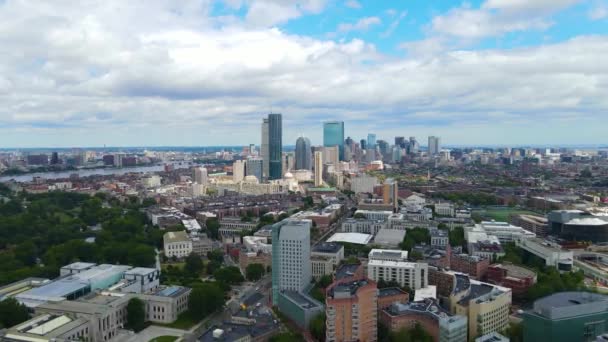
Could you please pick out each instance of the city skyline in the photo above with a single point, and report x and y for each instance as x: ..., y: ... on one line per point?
x: 198, y: 73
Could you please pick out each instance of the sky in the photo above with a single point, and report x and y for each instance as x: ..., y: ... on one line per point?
x: 203, y: 72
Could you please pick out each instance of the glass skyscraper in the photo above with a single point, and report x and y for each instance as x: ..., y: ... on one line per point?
x: 371, y: 140
x: 275, y: 146
x: 303, y: 154
x: 333, y: 135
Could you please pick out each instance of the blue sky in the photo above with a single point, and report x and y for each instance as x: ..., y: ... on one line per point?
x: 203, y: 72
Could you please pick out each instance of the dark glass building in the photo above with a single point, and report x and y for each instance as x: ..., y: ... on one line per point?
x: 333, y: 135
x: 275, y: 146
x: 303, y: 154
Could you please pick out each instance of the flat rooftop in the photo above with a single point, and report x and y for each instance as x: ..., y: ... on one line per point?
x: 302, y: 300
x: 355, y: 238
x: 141, y: 271
x: 327, y: 247
x: 79, y: 266
x: 346, y: 270
x: 390, y: 291
x: 171, y: 291
x: 566, y: 299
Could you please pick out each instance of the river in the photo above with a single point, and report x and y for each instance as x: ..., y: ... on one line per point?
x: 90, y: 172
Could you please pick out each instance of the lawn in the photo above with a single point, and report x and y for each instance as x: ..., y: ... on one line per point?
x: 164, y: 339
x: 184, y: 321
x: 503, y: 214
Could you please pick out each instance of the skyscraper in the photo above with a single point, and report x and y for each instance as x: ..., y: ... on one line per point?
x: 264, y: 150
x: 371, y: 140
x: 303, y: 154
x: 414, y: 146
x: 333, y: 135
x: 291, y: 267
x: 331, y: 155
x: 200, y: 175
x: 384, y: 149
x: 318, y: 168
x: 399, y: 141
x: 275, y: 146
x: 238, y: 170
x: 363, y: 144
x: 434, y: 145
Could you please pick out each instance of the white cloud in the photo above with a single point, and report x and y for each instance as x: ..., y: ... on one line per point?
x: 85, y: 74
x: 598, y: 11
x: 362, y: 24
x: 393, y: 26
x: 353, y: 4
x: 497, y: 17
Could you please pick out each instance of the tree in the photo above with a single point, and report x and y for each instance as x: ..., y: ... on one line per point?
x: 205, y: 299
x: 317, y: 327
x: 216, y: 256
x: 254, y: 272
x: 194, y: 264
x: 456, y: 237
x: 136, y: 314
x: 359, y: 216
x: 230, y: 275
x: 213, y: 227
x: 12, y: 313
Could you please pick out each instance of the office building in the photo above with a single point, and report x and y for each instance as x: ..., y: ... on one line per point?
x: 434, y: 145
x: 371, y: 141
x: 200, y: 175
x: 303, y: 154
x: 318, y: 168
x: 264, y: 150
x: 238, y: 170
x: 567, y: 316
x: 435, y: 320
x: 255, y: 167
x: 55, y: 158
x: 352, y: 311
x: 392, y: 265
x: 486, y: 306
x: 321, y: 266
x: 333, y: 135
x: 363, y: 183
x: 532, y: 223
x: 292, y: 271
x: 492, y: 337
x: 390, y: 295
x: 363, y: 144
x: 331, y: 155
x: 445, y: 209
x: 518, y: 279
x: 400, y: 141
x: 413, y: 147
x: 334, y: 251
x: 275, y: 146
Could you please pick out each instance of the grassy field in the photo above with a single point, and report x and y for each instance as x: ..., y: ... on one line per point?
x: 184, y: 321
x: 164, y: 339
x: 502, y: 214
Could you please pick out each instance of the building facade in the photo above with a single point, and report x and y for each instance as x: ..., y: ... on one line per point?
x: 333, y: 135
x: 351, y: 309
x: 303, y: 154
x: 275, y: 146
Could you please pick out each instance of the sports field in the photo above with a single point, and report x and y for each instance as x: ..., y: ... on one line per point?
x: 501, y: 214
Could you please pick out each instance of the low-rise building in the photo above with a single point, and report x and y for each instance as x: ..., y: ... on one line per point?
x: 436, y: 321
x: 177, y: 244
x: 551, y: 252
x: 518, y: 279
x: 536, y: 224
x: 439, y: 238
x: 391, y: 295
x: 392, y: 265
x: 375, y: 215
x: 567, y: 316
x: 321, y: 265
x: 492, y: 337
x: 364, y: 226
x: 333, y: 250
x: 474, y: 266
x: 486, y: 306
x: 444, y: 209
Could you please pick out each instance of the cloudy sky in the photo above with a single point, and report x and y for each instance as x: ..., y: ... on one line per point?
x: 203, y: 72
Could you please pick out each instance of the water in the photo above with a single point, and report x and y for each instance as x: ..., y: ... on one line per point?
x: 90, y: 172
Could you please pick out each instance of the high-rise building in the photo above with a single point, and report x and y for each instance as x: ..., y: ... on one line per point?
x: 414, y: 146
x: 252, y: 151
x: 318, y: 168
x: 254, y: 167
x: 264, y: 152
x: 200, y: 175
x: 333, y: 135
x: 371, y: 140
x: 352, y: 311
x: 400, y: 141
x: 238, y: 170
x: 275, y: 146
x: 54, y: 158
x: 288, y: 162
x: 303, y: 154
x: 331, y: 155
x: 383, y: 146
x: 37, y: 159
x: 392, y: 265
x: 363, y: 144
x: 434, y: 145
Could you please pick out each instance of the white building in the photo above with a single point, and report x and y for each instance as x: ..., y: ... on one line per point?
x: 151, y: 181
x: 177, y: 244
x: 321, y: 265
x: 318, y: 168
x: 378, y: 215
x: 363, y: 183
x: 238, y: 170
x: 362, y: 226
x: 504, y: 231
x: 552, y: 253
x: 200, y: 175
x: 392, y: 265
x: 444, y: 209
x: 291, y: 255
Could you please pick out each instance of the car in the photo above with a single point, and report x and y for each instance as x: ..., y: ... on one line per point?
x: 257, y: 288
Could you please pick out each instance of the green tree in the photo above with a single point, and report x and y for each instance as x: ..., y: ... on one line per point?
x: 12, y: 313
x: 230, y: 275
x: 194, y: 264
x: 136, y: 314
x: 204, y: 299
x: 317, y: 327
x: 213, y: 227
x: 254, y: 272
x: 456, y: 237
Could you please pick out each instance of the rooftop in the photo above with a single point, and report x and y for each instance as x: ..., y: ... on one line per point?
x: 587, y: 221
x: 179, y: 236
x: 301, y: 300
x: 387, y: 254
x: 346, y: 270
x: 428, y: 307
x: 141, y: 271
x: 516, y: 271
x: 356, y: 238
x: 79, y: 266
x: 327, y: 247
x: 348, y: 289
x: 390, y: 291
x: 171, y: 291
x: 569, y: 299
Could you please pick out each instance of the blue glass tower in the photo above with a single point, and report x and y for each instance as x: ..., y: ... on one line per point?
x: 275, y: 146
x: 333, y: 135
